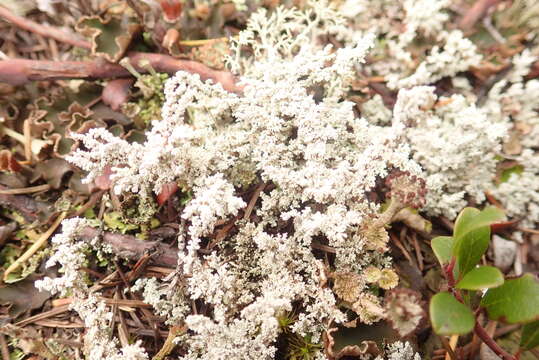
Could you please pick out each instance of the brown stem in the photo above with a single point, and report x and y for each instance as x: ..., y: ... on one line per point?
x: 130, y: 247
x: 29, y: 208
x: 43, y: 30
x: 476, y: 12
x: 487, y: 339
x: 448, y: 270
x: 22, y: 71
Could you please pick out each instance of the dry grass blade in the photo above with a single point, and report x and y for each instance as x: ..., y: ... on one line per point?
x: 35, y: 247
x: 26, y: 190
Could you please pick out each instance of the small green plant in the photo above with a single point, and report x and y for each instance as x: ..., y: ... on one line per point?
x: 515, y: 300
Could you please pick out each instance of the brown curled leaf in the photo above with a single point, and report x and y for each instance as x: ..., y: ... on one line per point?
x: 53, y: 171
x: 110, y: 36
x: 8, y: 162
x: 364, y: 348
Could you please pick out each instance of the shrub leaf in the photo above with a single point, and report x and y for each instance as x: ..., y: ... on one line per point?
x: 530, y: 336
x: 516, y: 301
x: 450, y: 317
x: 483, y: 277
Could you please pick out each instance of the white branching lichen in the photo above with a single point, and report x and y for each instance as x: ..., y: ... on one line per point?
x: 70, y: 255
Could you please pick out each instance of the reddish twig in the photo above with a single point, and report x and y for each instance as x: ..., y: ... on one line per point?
x: 43, y: 30
x: 489, y: 341
x: 22, y: 71
x: 170, y: 65
x: 478, y: 329
x: 448, y: 269
x: 476, y: 12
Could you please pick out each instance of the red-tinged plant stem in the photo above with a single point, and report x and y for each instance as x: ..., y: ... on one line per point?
x: 451, y: 279
x: 449, y: 272
x: 487, y: 339
x: 22, y: 71
x: 478, y: 329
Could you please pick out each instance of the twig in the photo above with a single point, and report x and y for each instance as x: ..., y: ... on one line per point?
x: 126, y: 246
x: 27, y: 141
x: 169, y: 344
x: 130, y: 247
x: 43, y: 30
x: 453, y: 341
x: 487, y: 339
x: 399, y: 244
x: 476, y: 12
x: 478, y: 329
x: 4, y: 350
x: 90, y: 203
x: 44, y: 315
x: 450, y: 353
x: 487, y: 23
x: 326, y: 248
x: 35, y: 247
x: 253, y: 200
x: 25, y: 205
x: 26, y: 190
x: 531, y: 231
x: 112, y: 301
x: 22, y: 71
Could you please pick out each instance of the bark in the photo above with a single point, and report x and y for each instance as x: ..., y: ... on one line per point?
x: 22, y: 71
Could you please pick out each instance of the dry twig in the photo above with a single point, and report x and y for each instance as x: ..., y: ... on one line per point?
x: 43, y: 30
x: 476, y: 12
x: 22, y: 71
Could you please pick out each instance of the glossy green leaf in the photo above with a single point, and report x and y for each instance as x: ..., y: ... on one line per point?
x: 450, y: 317
x: 472, y: 247
x: 483, y: 277
x: 472, y: 236
x: 443, y: 248
x: 464, y: 221
x: 530, y: 336
x: 516, y: 301
x: 471, y: 219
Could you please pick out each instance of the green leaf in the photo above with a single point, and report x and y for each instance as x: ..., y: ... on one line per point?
x: 471, y: 219
x: 450, y: 317
x: 472, y: 235
x: 464, y: 221
x: 443, y: 248
x: 483, y: 277
x: 516, y: 301
x: 472, y: 247
x: 530, y: 336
